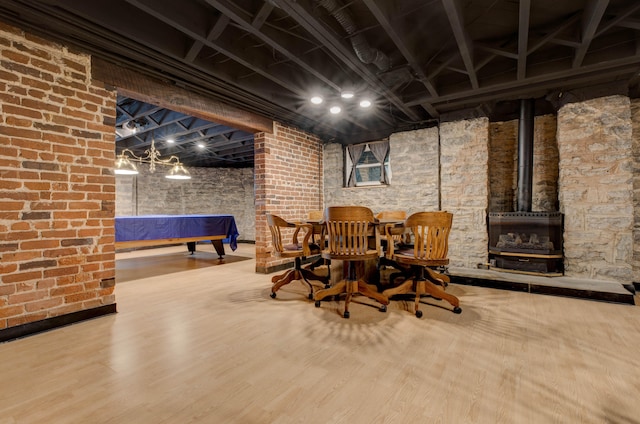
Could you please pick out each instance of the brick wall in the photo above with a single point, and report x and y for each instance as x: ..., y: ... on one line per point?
x: 288, y: 182
x: 503, y: 165
x: 57, y: 191
x: 596, y: 188
x: 209, y: 191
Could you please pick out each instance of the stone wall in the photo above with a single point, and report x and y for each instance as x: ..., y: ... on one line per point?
x: 209, y: 191
x: 465, y: 188
x: 420, y: 182
x: 57, y: 189
x: 414, y: 158
x: 635, y: 150
x: 596, y: 188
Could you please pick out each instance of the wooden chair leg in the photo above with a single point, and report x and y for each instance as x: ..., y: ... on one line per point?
x: 437, y: 277
x: 285, y: 279
x: 437, y: 291
x: 419, y: 290
x: 339, y: 288
x: 404, y: 287
x: 369, y: 291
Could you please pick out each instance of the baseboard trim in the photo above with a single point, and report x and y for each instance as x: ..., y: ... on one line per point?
x: 35, y: 327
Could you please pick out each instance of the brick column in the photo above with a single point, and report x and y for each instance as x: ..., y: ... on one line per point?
x: 288, y: 182
x: 57, y: 189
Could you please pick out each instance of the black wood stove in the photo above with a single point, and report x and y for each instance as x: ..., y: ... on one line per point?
x: 524, y: 240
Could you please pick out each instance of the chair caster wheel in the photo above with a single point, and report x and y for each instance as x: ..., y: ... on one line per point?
x: 457, y: 310
x: 419, y: 314
x: 310, y: 296
x: 346, y: 314
x: 272, y: 295
x: 383, y: 308
x: 317, y: 303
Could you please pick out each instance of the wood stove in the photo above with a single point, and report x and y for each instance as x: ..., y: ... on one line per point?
x: 526, y: 241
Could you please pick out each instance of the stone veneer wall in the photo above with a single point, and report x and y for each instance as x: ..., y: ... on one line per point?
x: 635, y: 150
x: 503, y: 165
x: 288, y: 183
x: 596, y: 188
x: 417, y: 183
x: 57, y: 189
x: 414, y: 157
x: 209, y: 191
x: 465, y: 188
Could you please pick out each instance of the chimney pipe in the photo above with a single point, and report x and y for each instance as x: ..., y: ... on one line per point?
x: 525, y: 155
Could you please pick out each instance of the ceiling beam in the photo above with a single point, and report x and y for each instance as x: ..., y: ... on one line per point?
x: 382, y: 14
x: 454, y: 8
x: 253, y: 27
x: 137, y: 86
x: 591, y: 18
x: 246, y: 23
x: 548, y: 80
x: 523, y: 37
x: 553, y: 33
x: 301, y: 12
x: 620, y: 16
x: 214, y: 33
x: 250, y: 60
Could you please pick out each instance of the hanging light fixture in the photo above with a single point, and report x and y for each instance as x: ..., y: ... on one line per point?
x: 124, y: 165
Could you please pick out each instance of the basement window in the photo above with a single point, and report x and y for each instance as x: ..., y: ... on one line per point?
x: 367, y: 164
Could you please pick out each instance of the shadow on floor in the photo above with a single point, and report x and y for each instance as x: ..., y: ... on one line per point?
x: 148, y: 266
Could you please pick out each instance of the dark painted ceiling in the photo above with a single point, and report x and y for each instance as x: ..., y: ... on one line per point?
x: 418, y: 60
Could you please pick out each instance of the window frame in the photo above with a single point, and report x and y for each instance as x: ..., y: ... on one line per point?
x: 349, y: 166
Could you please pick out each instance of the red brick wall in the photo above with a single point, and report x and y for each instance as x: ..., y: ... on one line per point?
x: 288, y: 182
x: 57, y: 190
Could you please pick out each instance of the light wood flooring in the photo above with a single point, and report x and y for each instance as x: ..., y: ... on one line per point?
x: 208, y: 345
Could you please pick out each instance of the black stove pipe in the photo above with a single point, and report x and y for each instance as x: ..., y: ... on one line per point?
x: 525, y: 155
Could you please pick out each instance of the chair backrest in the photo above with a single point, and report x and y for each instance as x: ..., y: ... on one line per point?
x: 315, y: 216
x: 349, y: 229
x: 276, y: 224
x: 392, y: 215
x: 430, y: 234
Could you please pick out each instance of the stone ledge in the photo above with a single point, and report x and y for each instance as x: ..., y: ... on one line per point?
x: 609, y: 291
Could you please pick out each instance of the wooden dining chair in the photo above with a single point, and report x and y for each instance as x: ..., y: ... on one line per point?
x: 349, y: 229
x: 430, y: 233
x: 319, y: 237
x: 297, y: 250
x: 398, y: 238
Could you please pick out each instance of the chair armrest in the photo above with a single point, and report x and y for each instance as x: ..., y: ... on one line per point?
x: 306, y: 250
x: 388, y: 232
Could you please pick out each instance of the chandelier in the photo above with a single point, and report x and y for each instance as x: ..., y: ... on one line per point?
x: 124, y: 163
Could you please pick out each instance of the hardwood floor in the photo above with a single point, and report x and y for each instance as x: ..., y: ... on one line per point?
x: 208, y: 345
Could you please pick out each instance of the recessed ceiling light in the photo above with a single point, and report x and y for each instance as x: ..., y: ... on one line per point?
x: 316, y: 100
x: 201, y: 145
x: 365, y: 103
x: 347, y: 94
x: 335, y: 110
x: 170, y: 140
